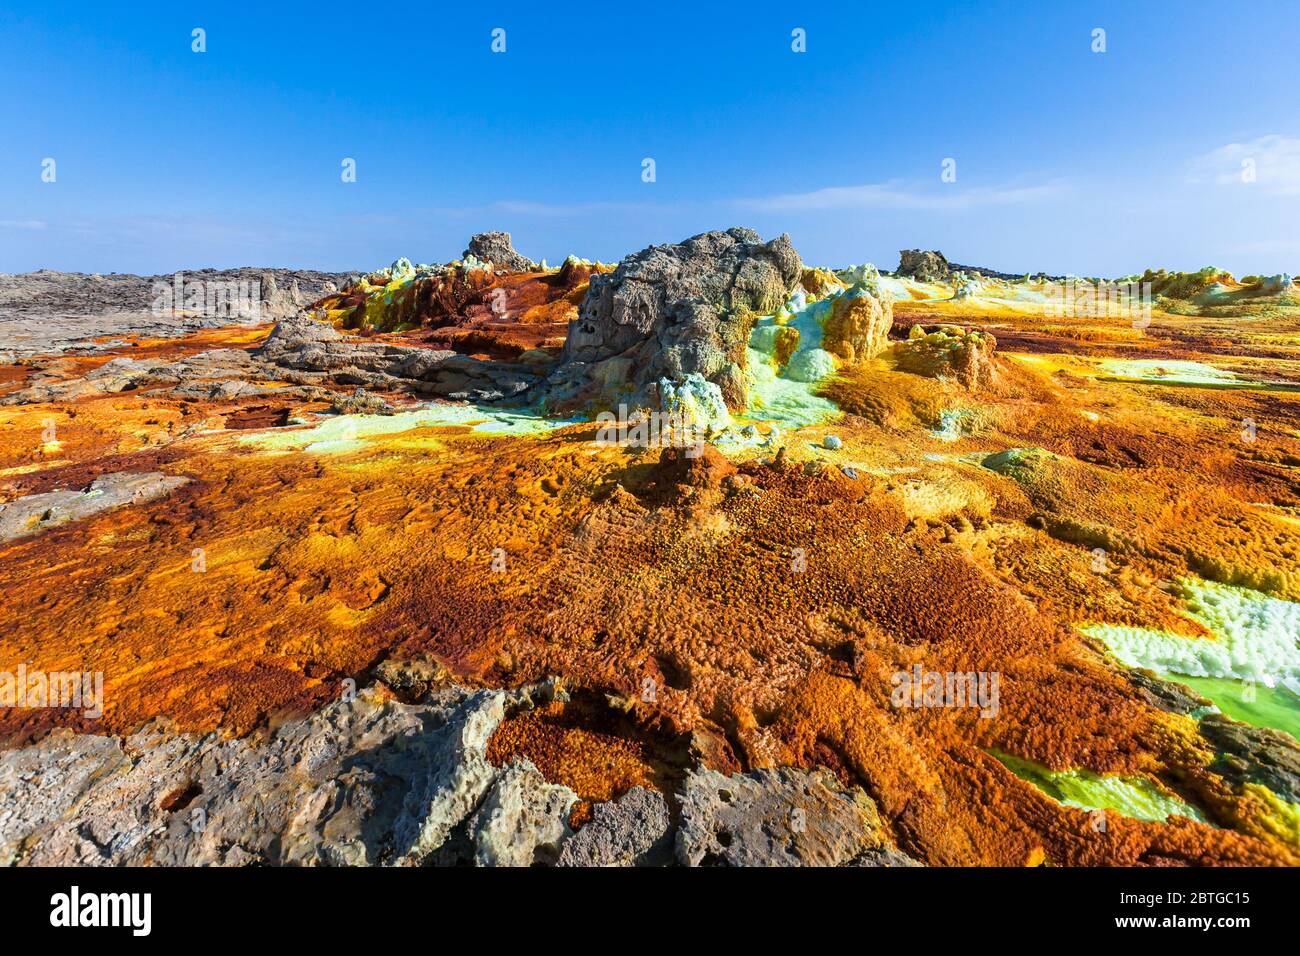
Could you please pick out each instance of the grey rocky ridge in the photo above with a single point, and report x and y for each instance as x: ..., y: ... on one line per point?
x: 370, y: 780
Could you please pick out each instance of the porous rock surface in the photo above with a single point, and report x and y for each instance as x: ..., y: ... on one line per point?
x: 634, y: 830
x: 782, y: 817
x: 366, y: 780
x: 523, y: 819
x: 950, y: 353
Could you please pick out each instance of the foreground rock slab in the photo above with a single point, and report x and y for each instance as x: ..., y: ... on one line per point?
x: 365, y: 781
x: 33, y: 514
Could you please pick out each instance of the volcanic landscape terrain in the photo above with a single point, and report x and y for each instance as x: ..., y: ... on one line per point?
x: 652, y: 563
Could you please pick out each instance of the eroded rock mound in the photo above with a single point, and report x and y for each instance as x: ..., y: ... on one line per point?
x: 685, y: 473
x: 496, y: 249
x: 951, y: 353
x: 926, y: 266
x: 47, y: 311
x: 671, y: 311
x: 395, y: 299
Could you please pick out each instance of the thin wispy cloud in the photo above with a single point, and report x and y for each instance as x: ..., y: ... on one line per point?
x: 1270, y: 163
x: 528, y: 208
x: 538, y: 209
x: 898, y: 195
x: 22, y: 224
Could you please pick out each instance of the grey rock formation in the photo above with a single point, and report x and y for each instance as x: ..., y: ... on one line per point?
x: 782, y: 817
x: 33, y: 514
x: 364, y: 781
x: 497, y: 249
x: 1169, y: 696
x: 361, y: 402
x: 923, y: 265
x: 634, y: 830
x: 675, y: 310
x: 302, y: 351
x: 369, y: 780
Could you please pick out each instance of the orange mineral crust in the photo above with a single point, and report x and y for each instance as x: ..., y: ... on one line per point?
x: 741, y: 611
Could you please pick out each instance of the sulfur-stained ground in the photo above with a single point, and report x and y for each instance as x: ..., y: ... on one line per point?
x: 744, y: 612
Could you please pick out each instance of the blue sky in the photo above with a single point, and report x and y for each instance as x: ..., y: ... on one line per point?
x: 1066, y: 160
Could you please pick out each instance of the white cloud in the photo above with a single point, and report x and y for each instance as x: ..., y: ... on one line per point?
x: 21, y: 224
x: 1274, y: 160
x: 897, y: 195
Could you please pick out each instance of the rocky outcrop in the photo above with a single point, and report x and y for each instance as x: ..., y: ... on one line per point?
x: 49, y: 311
x: 405, y: 297
x: 369, y: 780
x: 925, y: 266
x: 671, y: 311
x: 950, y: 353
x: 496, y: 249
x: 33, y: 514
x: 360, y: 402
x: 310, y: 354
x: 1166, y: 695
x: 318, y: 352
x: 502, y: 306
x: 219, y: 373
